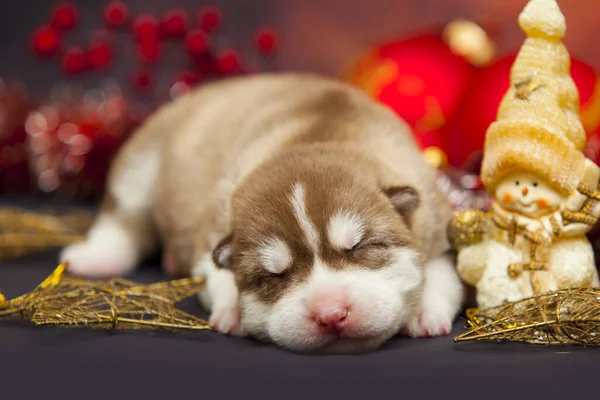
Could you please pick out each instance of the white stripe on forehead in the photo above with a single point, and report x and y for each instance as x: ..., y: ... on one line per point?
x: 345, y: 230
x: 275, y: 255
x: 299, y: 206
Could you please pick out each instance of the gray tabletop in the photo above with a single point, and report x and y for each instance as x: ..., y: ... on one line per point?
x: 81, y: 363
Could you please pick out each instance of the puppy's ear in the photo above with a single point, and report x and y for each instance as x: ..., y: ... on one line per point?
x: 223, y: 254
x: 405, y: 200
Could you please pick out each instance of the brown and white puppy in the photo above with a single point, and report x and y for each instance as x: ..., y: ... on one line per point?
x: 307, y: 206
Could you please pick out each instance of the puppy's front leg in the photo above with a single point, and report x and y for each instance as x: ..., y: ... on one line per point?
x: 441, y: 300
x: 219, y: 296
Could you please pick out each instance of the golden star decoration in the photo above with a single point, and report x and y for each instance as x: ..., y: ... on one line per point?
x: 563, y: 317
x: 63, y: 300
x: 24, y: 231
x: 524, y: 89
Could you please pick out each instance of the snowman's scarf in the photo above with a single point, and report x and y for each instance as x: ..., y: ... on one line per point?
x: 516, y: 225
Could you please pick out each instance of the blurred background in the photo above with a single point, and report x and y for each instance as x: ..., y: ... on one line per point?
x: 320, y: 35
x: 78, y: 76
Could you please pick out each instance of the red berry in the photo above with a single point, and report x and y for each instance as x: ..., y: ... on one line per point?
x: 142, y: 80
x: 187, y: 77
x: 64, y: 16
x: 174, y: 23
x: 146, y: 27
x: 116, y: 13
x: 73, y: 61
x: 229, y: 62
x: 45, y: 41
x: 210, y: 17
x: 266, y: 40
x: 149, y: 49
x: 196, y: 43
x: 99, y: 55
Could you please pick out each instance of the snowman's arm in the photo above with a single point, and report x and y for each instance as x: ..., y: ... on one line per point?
x: 560, y: 227
x: 471, y: 262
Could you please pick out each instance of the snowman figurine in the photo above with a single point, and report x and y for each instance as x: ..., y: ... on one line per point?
x: 545, y: 191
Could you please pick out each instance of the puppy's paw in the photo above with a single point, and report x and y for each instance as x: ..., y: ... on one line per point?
x: 429, y: 323
x: 94, y: 260
x: 227, y: 320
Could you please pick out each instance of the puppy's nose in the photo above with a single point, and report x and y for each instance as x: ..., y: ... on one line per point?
x: 333, y: 321
x: 525, y: 191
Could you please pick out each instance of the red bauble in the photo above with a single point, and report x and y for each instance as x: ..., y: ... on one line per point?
x: 74, y: 61
x: 210, y: 18
x: 465, y: 134
x: 65, y: 16
x: 196, y: 43
x: 99, y: 55
x: 72, y: 140
x: 116, y: 14
x: 45, y: 41
x: 149, y: 49
x: 266, y: 41
x: 146, y: 26
x: 421, y: 79
x: 229, y: 62
x: 174, y: 23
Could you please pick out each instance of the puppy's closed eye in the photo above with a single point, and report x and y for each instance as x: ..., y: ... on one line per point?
x: 366, y: 246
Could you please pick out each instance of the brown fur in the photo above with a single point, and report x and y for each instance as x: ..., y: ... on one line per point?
x: 261, y: 208
x: 229, y: 148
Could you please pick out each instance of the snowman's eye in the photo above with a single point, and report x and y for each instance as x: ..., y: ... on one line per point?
x: 517, y: 183
x: 535, y: 184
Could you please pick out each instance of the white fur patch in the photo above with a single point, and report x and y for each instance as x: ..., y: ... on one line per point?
x: 134, y: 185
x: 441, y: 300
x: 108, y: 251
x: 219, y: 296
x: 299, y: 206
x: 378, y: 302
x: 275, y: 256
x: 345, y: 230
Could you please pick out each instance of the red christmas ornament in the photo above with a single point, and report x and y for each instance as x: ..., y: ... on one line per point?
x: 99, y: 55
x: 465, y: 134
x: 424, y: 79
x: 229, y: 62
x: 45, y: 41
x: 116, y: 14
x: 421, y: 79
x: 266, y: 41
x: 174, y: 23
x: 146, y: 27
x: 74, y: 61
x: 149, y: 49
x: 196, y: 43
x: 142, y: 80
x: 210, y: 18
x: 72, y: 141
x: 65, y: 16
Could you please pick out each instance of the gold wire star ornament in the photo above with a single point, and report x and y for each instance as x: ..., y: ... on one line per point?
x: 62, y: 300
x: 24, y: 231
x: 570, y: 316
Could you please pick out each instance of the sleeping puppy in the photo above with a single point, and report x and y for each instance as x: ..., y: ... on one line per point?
x: 306, y: 205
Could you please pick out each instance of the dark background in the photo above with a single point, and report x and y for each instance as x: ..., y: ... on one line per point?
x: 324, y: 36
